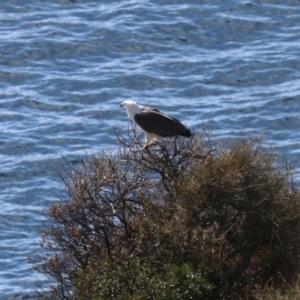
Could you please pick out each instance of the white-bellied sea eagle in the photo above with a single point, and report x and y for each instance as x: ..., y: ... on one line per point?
x: 154, y: 123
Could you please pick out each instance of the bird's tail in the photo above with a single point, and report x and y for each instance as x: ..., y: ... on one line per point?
x: 187, y: 133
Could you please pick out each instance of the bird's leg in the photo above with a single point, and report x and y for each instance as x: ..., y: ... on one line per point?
x: 150, y: 139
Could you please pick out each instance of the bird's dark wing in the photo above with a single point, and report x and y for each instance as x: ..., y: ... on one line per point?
x: 153, y: 121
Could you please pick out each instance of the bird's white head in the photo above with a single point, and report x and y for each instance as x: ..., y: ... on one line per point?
x: 132, y: 108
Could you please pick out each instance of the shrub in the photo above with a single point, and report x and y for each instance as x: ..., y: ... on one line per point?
x: 133, y: 279
x: 175, y: 221
x: 243, y: 206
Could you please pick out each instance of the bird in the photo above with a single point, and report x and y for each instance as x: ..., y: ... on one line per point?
x: 154, y: 123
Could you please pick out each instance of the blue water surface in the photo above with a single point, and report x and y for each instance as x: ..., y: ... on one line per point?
x: 65, y: 66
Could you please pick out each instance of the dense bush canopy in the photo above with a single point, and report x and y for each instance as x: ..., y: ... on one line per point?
x: 179, y: 220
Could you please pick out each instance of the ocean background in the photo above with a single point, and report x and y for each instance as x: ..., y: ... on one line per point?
x: 65, y: 67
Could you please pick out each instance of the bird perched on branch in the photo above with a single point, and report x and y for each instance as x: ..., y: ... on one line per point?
x: 154, y: 123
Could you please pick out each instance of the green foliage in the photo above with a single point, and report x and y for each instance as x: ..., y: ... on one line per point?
x: 248, y: 215
x: 176, y: 221
x: 133, y: 279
